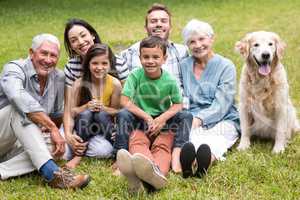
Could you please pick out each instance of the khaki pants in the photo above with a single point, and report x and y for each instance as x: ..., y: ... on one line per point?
x: 157, y: 149
x: 23, y: 149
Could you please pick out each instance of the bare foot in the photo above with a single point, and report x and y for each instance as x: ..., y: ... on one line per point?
x: 176, y: 167
x: 74, y: 162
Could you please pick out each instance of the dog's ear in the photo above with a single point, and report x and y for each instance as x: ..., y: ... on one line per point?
x: 280, y: 46
x: 242, y: 46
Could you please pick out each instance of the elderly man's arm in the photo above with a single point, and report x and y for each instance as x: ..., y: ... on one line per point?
x: 12, y: 83
x: 44, y: 120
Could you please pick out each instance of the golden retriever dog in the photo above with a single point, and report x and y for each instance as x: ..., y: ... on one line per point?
x: 265, y: 106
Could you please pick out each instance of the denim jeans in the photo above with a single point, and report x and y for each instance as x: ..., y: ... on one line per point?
x: 48, y: 169
x: 88, y: 124
x: 180, y: 124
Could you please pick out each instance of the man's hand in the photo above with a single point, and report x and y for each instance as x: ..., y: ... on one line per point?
x: 77, y: 144
x: 44, y: 121
x: 59, y: 143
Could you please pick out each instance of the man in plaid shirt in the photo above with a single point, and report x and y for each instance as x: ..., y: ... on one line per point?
x: 157, y: 23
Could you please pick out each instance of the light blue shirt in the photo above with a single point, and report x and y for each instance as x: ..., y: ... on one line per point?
x: 19, y: 87
x: 211, y: 98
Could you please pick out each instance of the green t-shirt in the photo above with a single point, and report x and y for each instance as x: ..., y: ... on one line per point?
x: 154, y: 96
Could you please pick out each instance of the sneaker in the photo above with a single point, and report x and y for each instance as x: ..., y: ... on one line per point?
x: 187, y: 158
x: 64, y: 178
x: 124, y: 164
x: 148, y: 172
x: 203, y: 157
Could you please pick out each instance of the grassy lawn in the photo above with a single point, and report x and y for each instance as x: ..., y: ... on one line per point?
x: 254, y: 174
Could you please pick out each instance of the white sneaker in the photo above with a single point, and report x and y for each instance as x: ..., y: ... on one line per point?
x: 124, y: 163
x: 147, y: 171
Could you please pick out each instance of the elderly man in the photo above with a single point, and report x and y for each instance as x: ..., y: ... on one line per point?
x: 31, y: 106
x: 157, y: 23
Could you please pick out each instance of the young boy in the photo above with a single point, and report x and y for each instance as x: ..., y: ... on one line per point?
x: 151, y: 115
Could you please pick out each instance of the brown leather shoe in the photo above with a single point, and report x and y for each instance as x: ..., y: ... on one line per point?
x: 64, y: 178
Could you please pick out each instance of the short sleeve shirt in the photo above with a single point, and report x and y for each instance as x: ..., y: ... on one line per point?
x: 154, y: 96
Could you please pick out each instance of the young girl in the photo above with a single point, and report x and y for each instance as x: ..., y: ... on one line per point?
x: 79, y: 36
x: 95, y: 99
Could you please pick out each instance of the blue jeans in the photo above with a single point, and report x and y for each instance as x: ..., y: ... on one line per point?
x: 88, y: 124
x: 48, y: 169
x: 180, y: 124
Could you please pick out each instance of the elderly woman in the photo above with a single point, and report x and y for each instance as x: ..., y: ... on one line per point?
x: 209, y: 86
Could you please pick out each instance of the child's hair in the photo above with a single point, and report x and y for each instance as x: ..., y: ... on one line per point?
x: 152, y: 42
x: 72, y: 22
x: 95, y: 50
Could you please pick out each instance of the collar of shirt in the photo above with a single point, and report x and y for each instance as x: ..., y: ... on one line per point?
x: 31, y: 70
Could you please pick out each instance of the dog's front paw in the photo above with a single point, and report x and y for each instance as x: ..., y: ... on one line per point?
x: 278, y: 148
x: 244, y: 144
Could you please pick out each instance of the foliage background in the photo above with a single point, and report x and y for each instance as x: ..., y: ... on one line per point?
x: 254, y: 174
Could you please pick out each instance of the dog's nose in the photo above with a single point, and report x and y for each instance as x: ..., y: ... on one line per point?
x: 265, y: 56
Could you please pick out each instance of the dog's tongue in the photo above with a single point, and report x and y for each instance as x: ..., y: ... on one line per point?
x: 264, y: 70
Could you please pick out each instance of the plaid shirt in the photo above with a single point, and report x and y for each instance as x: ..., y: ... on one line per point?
x: 131, y: 60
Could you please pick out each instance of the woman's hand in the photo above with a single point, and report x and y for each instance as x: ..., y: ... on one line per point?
x: 196, y: 122
x: 76, y: 143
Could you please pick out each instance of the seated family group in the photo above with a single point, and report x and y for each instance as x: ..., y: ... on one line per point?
x: 151, y: 108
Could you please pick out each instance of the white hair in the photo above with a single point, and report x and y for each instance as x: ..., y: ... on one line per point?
x: 38, y: 40
x: 195, y: 27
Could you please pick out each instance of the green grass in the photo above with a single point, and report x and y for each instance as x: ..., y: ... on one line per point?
x: 254, y: 174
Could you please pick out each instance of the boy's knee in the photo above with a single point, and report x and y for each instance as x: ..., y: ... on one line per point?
x: 124, y: 115
x: 185, y: 115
